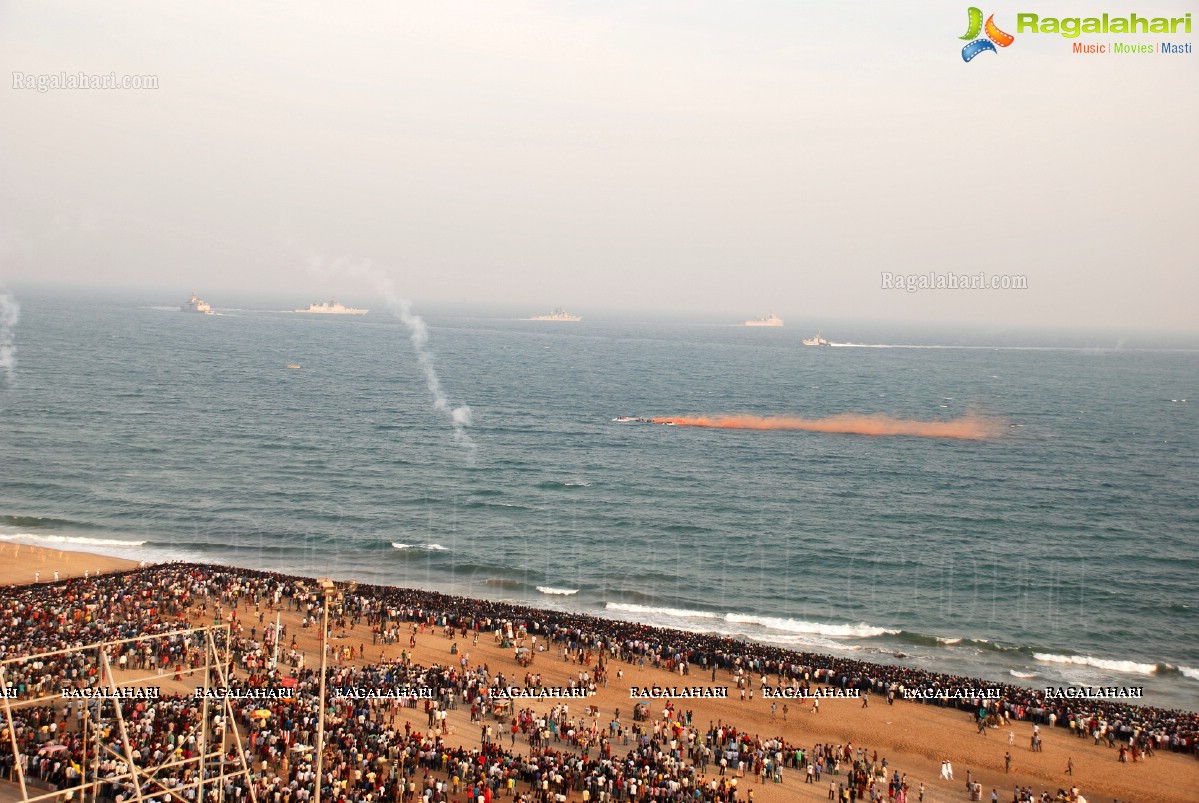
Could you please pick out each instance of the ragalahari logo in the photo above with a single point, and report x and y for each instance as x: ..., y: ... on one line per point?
x: 994, y: 35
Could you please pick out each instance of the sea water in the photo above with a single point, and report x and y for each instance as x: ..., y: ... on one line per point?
x: 1060, y: 552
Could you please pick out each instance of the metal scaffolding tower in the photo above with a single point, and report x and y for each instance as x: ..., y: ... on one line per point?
x: 107, y: 705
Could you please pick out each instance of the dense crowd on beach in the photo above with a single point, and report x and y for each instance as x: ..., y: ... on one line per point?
x: 551, y: 751
x: 686, y: 652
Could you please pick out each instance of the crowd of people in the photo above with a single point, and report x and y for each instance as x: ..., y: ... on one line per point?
x: 630, y: 641
x: 379, y: 749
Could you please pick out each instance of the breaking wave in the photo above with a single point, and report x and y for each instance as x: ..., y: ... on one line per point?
x: 79, y: 540
x: 628, y: 607
x: 861, y: 630
x: 1128, y: 667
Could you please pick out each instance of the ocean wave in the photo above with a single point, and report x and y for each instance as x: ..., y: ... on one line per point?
x: 861, y: 630
x: 1016, y: 673
x: 1179, y: 671
x: 82, y: 540
x: 984, y: 644
x: 503, y: 582
x: 628, y: 607
x: 926, y: 640
x: 805, y: 642
x: 428, y: 547
x: 41, y: 521
x: 629, y: 593
x: 795, y: 628
x: 1128, y: 667
x: 562, y: 591
x: 479, y: 504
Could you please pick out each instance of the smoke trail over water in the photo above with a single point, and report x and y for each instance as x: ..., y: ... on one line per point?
x: 460, y: 416
x: 10, y: 311
x: 418, y: 333
x: 969, y: 427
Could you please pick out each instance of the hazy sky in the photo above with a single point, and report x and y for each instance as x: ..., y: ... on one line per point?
x: 700, y: 157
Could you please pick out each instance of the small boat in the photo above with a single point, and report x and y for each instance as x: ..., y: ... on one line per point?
x: 558, y: 314
x: 332, y: 307
x: 294, y: 365
x: 816, y: 341
x: 196, y: 304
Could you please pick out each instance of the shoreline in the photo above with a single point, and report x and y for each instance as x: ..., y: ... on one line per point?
x: 27, y: 564
x: 915, y: 737
x: 77, y: 562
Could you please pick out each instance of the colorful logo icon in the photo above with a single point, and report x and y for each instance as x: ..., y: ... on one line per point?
x: 994, y: 35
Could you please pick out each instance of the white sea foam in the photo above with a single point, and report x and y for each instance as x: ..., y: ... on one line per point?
x: 428, y: 547
x: 800, y: 630
x: 628, y: 607
x: 82, y: 540
x: 562, y: 591
x: 864, y: 346
x: 1189, y: 672
x: 1128, y: 667
x: 807, y: 641
x: 1016, y: 673
x: 861, y: 630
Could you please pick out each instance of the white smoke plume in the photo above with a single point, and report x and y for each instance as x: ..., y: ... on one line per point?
x: 460, y: 416
x: 10, y: 311
x: 418, y: 333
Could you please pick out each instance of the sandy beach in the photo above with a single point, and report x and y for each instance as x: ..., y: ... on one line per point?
x: 21, y: 564
x: 913, y: 738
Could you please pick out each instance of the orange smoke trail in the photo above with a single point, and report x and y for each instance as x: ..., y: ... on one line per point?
x: 969, y: 427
